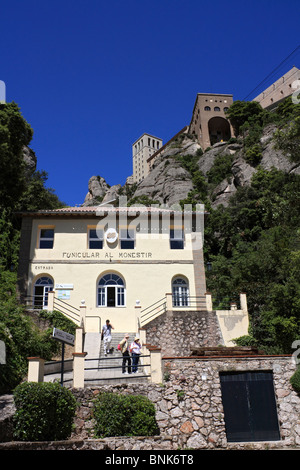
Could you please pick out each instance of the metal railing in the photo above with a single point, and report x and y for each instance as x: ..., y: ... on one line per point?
x: 188, y: 301
x: 101, y: 366
x: 153, y: 310
x: 182, y: 301
x: 40, y: 302
x: 35, y: 302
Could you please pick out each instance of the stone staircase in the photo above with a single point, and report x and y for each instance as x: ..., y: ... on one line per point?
x: 101, y: 369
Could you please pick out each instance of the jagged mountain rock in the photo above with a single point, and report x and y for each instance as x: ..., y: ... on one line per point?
x: 98, y: 188
x: 30, y: 159
x: 272, y: 157
x: 168, y: 182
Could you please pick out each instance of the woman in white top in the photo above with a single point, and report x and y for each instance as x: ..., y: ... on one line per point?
x: 135, y: 349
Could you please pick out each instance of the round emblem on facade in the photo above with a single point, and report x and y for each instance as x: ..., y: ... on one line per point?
x: 111, y: 235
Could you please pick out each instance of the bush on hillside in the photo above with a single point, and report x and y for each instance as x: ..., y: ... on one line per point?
x: 124, y: 415
x: 44, y: 412
x: 295, y: 380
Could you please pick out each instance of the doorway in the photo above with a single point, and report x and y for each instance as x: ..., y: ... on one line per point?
x: 42, y: 286
x: 249, y: 406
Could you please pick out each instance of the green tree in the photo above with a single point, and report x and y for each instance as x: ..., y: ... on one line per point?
x: 241, y: 112
x: 15, y: 133
x: 21, y: 189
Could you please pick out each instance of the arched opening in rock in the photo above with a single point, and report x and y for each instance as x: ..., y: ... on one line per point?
x: 219, y: 129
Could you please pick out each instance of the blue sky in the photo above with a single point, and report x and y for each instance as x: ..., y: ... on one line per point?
x: 92, y: 76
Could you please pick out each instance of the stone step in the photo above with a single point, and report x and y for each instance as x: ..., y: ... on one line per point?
x: 101, y: 369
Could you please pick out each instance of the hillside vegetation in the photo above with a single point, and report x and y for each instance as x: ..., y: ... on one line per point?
x: 253, y: 242
x: 21, y: 188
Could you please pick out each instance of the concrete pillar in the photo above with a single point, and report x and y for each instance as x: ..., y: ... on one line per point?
x: 209, y: 305
x: 142, y: 333
x: 137, y: 310
x: 79, y: 340
x: 78, y: 369
x: 82, y: 314
x: 169, y: 302
x: 155, y: 365
x: 243, y: 302
x: 35, y: 369
x: 50, y: 306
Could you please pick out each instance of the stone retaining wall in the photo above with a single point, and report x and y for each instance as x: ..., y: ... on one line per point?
x: 189, y: 410
x: 178, y: 332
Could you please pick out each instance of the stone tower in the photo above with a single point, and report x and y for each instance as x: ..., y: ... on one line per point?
x: 209, y: 122
x: 142, y: 149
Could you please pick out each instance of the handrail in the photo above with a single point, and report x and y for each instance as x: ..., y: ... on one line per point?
x: 38, y: 302
x: 144, y: 310
x: 183, y: 300
x: 62, y: 301
x: 110, y: 366
x: 73, y: 310
x: 156, y: 311
x: 39, y: 297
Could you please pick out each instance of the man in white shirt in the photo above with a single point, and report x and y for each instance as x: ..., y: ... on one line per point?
x: 106, y: 336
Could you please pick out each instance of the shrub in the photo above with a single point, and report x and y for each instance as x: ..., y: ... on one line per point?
x: 44, y: 411
x: 295, y: 380
x: 253, y: 155
x: 124, y: 415
x: 220, y: 170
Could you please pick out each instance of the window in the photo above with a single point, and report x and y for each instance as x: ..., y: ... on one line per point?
x: 95, y: 238
x: 249, y: 406
x: 111, y: 291
x: 41, y: 288
x: 127, y: 238
x: 207, y: 108
x: 180, y: 292
x: 176, y: 239
x: 216, y: 108
x: 46, y: 238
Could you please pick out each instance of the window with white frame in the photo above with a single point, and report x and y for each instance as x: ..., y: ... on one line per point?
x: 46, y: 238
x: 111, y: 291
x: 95, y: 238
x: 180, y: 292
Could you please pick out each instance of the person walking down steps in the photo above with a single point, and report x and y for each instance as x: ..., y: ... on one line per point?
x: 135, y: 349
x: 124, y: 345
x: 106, y: 336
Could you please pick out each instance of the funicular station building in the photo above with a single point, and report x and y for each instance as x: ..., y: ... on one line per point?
x: 125, y: 264
x: 111, y: 260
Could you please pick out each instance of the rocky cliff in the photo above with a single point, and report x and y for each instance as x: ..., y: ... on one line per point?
x: 170, y: 181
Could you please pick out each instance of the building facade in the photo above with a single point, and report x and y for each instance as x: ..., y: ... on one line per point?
x: 142, y: 149
x: 209, y: 122
x: 113, y: 261
x: 284, y: 87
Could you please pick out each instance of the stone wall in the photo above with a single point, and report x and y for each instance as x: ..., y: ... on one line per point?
x: 189, y: 409
x: 178, y: 332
